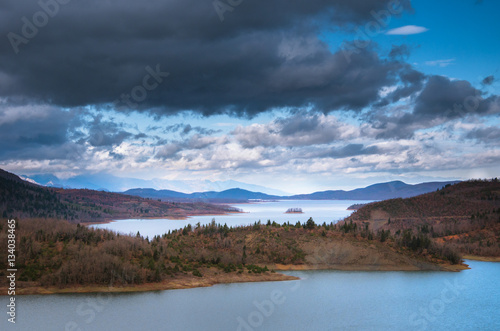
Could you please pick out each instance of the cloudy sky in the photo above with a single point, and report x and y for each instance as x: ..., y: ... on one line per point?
x: 295, y: 95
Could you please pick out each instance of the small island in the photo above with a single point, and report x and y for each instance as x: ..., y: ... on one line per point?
x: 294, y: 211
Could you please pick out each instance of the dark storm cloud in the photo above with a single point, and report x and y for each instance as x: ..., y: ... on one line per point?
x: 36, y: 133
x: 263, y: 55
x: 333, y: 152
x: 411, y: 81
x: 440, y: 100
x: 399, y: 51
x: 105, y: 133
x: 488, y: 134
x: 447, y: 98
x: 185, y: 129
x: 352, y: 150
x: 174, y: 128
x: 49, y: 133
x: 488, y: 80
x: 299, y: 123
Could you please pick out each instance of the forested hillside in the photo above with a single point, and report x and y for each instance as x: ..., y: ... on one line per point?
x: 465, y: 216
x: 22, y: 199
x: 55, y: 253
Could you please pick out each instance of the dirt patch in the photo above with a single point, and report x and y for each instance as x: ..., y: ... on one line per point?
x: 482, y: 258
x: 379, y: 215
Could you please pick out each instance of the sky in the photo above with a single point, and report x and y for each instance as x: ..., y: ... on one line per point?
x: 299, y: 96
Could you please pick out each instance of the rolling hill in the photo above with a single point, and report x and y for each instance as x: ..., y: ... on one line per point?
x: 231, y: 195
x: 19, y: 198
x: 465, y: 216
x: 381, y: 191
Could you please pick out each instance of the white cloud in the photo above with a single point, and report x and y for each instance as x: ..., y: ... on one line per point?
x: 407, y: 30
x: 320, y: 150
x: 440, y: 63
x: 386, y: 90
x: 299, y: 130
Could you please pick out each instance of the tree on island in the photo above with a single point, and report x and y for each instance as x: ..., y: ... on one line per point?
x: 294, y: 210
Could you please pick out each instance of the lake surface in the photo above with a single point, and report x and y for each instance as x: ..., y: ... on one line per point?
x: 320, y: 210
x: 321, y: 300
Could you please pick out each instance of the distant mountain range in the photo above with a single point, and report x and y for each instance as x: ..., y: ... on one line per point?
x: 226, y: 191
x: 231, y: 195
x: 381, y: 191
x: 107, y: 182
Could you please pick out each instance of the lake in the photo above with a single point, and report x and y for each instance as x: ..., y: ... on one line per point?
x: 320, y: 210
x: 321, y: 300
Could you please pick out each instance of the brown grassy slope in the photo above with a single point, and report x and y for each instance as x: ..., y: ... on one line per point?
x: 462, y: 199
x: 465, y: 216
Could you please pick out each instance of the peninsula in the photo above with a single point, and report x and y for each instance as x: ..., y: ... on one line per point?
x: 428, y: 232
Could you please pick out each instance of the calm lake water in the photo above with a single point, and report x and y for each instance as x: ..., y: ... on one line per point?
x: 321, y: 300
x: 321, y: 211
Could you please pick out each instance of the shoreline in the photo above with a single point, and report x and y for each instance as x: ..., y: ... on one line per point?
x: 368, y: 268
x: 170, y: 218
x: 481, y: 258
x: 211, y: 279
x: 180, y: 283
